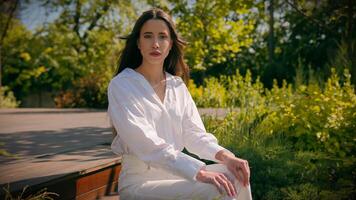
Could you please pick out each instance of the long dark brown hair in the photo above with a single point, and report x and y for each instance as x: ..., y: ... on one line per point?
x: 131, y: 56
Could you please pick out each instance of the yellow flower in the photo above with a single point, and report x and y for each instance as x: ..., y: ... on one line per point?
x: 40, y: 70
x: 322, y: 136
x: 48, y: 50
x: 316, y: 109
x: 25, y: 56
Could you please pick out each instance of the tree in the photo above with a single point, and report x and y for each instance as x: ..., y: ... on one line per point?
x: 80, y: 45
x: 215, y: 30
x: 7, y: 11
x: 17, y: 60
x: 321, y: 28
x: 316, y: 35
x: 89, y: 31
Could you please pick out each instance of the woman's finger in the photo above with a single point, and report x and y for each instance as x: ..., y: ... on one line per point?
x: 247, y: 167
x: 248, y: 171
x: 223, y: 181
x: 237, y: 173
x: 245, y: 174
x: 242, y: 176
x: 218, y: 186
x: 230, y: 184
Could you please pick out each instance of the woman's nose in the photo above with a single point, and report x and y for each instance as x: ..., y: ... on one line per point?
x: 155, y: 44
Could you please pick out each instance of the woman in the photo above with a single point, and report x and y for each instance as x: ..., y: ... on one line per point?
x: 155, y: 118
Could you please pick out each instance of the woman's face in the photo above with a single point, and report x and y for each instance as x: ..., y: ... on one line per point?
x: 155, y: 42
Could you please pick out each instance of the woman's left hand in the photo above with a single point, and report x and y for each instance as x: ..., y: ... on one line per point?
x: 237, y: 166
x: 240, y: 169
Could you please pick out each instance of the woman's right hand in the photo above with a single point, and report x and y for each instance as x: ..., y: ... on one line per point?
x: 218, y: 179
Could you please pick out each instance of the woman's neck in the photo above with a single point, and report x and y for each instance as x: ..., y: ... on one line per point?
x: 153, y: 73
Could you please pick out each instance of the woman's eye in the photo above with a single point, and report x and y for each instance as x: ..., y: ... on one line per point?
x: 147, y: 36
x: 163, y: 36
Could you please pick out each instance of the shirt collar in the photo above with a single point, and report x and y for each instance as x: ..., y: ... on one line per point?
x: 129, y: 72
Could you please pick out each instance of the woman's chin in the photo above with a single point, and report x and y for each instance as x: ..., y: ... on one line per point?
x: 155, y: 61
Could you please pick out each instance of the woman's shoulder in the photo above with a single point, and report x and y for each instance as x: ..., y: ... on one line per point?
x: 176, y: 80
x: 121, y: 80
x: 178, y: 85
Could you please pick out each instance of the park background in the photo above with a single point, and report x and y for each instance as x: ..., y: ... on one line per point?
x: 284, y: 69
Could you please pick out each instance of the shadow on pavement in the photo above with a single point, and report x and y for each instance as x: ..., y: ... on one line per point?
x: 41, y: 144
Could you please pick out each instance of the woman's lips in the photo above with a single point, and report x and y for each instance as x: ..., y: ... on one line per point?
x: 155, y: 53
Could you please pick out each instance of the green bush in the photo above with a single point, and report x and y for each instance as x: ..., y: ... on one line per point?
x: 7, y: 98
x: 87, y: 92
x: 214, y: 94
x: 298, y: 140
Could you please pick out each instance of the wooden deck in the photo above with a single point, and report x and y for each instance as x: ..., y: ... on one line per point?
x: 66, y: 151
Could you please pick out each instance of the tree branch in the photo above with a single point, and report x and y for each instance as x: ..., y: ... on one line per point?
x: 317, y: 22
x: 78, y: 12
x: 11, y: 14
x: 94, y: 22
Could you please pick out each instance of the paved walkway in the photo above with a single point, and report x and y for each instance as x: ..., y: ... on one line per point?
x: 30, y: 133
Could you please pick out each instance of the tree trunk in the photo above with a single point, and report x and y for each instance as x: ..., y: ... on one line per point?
x: 271, y: 44
x: 0, y: 66
x: 351, y: 51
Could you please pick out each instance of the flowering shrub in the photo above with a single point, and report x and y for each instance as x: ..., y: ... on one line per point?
x: 87, y: 92
x: 7, y: 98
x: 300, y: 141
x: 214, y: 94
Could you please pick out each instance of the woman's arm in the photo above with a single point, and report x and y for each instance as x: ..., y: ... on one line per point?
x: 195, y: 137
x: 205, y: 145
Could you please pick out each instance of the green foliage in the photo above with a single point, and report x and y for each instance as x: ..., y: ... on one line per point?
x: 341, y: 59
x: 87, y: 92
x: 299, y: 142
x: 319, y: 34
x: 7, y: 98
x: 73, y: 57
x: 228, y: 91
x: 40, y: 195
x: 222, y: 36
x: 329, y: 123
x: 214, y: 93
x: 216, y: 30
x: 18, y: 72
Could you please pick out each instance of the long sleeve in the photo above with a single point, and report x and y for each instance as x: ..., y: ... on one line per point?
x: 138, y: 134
x: 196, y: 139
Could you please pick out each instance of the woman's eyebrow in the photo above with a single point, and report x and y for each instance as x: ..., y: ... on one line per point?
x: 165, y: 33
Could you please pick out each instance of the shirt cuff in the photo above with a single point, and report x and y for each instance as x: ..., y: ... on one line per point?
x: 213, y: 149
x: 188, y: 166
